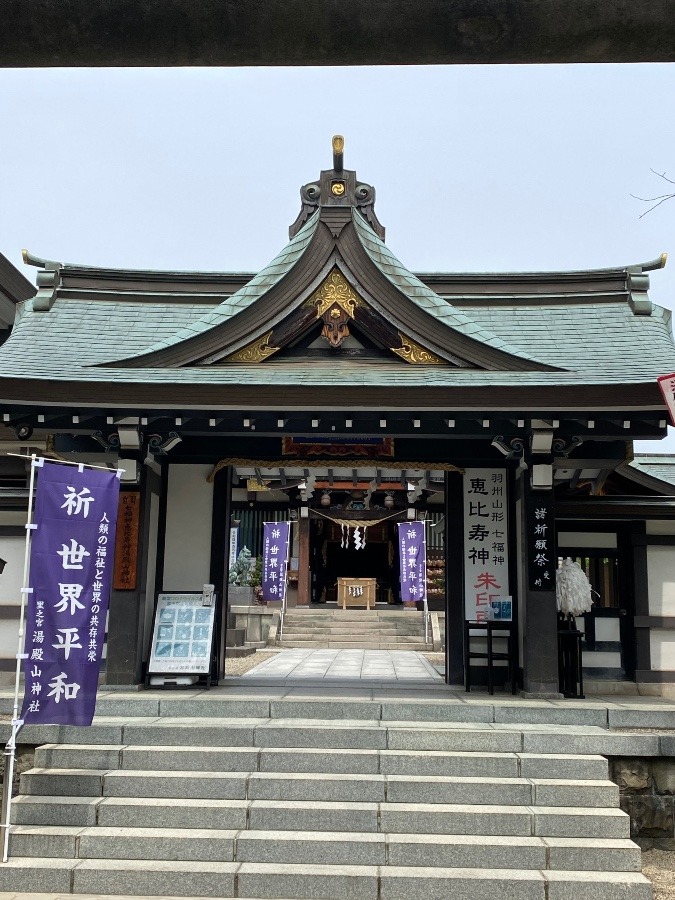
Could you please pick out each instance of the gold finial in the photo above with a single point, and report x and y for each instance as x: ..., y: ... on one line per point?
x: 338, y: 152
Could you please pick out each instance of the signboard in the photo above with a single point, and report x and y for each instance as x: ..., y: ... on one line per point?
x: 667, y: 385
x: 276, y: 537
x: 501, y: 610
x: 126, y: 541
x: 542, y: 560
x: 234, y: 546
x: 412, y: 554
x: 486, y: 559
x: 70, y: 575
x: 181, y: 641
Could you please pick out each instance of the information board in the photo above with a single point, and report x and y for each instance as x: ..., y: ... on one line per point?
x: 183, y: 633
x: 486, y: 541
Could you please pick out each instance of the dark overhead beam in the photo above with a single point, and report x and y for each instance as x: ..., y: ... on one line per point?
x: 332, y: 32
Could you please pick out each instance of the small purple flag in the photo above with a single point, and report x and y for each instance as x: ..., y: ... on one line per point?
x: 276, y: 536
x: 412, y: 552
x: 71, y: 564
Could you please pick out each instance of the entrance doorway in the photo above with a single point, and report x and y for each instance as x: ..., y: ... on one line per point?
x: 345, y: 534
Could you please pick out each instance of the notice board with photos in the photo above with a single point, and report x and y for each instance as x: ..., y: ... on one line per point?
x: 182, y: 636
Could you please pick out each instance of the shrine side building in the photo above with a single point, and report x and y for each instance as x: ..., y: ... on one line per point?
x: 339, y: 390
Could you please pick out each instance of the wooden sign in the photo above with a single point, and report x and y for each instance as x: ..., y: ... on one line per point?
x: 542, y: 559
x: 126, y: 541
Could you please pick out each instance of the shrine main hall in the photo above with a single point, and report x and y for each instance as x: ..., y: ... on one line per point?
x: 337, y: 390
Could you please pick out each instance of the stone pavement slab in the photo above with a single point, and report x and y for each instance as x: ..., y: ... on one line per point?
x: 380, y: 665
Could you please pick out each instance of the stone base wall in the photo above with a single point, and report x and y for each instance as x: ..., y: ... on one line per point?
x: 25, y: 754
x: 647, y: 787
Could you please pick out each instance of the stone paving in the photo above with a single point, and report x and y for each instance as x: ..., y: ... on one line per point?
x: 378, y: 665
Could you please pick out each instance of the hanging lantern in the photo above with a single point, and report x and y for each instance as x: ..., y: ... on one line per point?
x: 325, y: 499
x: 389, y: 500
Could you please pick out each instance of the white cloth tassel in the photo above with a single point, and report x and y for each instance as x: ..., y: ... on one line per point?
x: 572, y: 589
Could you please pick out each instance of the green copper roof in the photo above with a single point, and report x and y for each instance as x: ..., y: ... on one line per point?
x: 76, y: 336
x: 425, y: 298
x: 593, y: 341
x: 244, y: 297
x: 657, y: 465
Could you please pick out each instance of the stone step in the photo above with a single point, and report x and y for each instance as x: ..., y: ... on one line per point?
x: 319, y: 786
x: 320, y: 882
x: 380, y: 612
x: 358, y: 734
x: 499, y: 709
x: 357, y: 634
x: 338, y: 644
x: 357, y: 762
x: 310, y: 815
x: 328, y: 848
x: 299, y: 627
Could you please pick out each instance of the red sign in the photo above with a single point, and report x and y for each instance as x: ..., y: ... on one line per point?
x: 667, y: 385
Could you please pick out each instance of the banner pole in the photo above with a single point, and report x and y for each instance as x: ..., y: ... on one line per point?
x: 426, y: 591
x: 68, y: 462
x: 10, y: 748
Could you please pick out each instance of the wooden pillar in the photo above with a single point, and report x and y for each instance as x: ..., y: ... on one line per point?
x: 639, y: 586
x: 540, y: 615
x: 304, y: 573
x: 126, y: 620
x: 454, y: 579
x: 220, y: 568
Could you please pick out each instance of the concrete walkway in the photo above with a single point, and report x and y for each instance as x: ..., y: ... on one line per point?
x: 380, y: 665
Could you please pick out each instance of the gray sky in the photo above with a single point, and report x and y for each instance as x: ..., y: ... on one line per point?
x: 480, y: 168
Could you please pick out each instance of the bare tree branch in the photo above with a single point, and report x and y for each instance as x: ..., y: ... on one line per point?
x: 662, y: 175
x: 659, y: 199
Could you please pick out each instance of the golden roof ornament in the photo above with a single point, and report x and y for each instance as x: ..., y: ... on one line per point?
x: 338, y: 152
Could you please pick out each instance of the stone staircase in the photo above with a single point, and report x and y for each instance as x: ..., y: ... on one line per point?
x: 325, y: 798
x: 346, y: 629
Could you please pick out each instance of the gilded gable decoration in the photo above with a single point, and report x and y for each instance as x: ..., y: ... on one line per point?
x: 335, y: 291
x: 414, y: 354
x: 254, y: 352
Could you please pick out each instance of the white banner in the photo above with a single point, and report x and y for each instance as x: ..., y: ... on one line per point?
x: 486, y: 560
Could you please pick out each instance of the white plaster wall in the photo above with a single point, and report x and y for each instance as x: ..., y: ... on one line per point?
x: 661, y: 580
x: 602, y: 539
x: 661, y: 527
x: 601, y: 659
x: 662, y: 645
x: 187, y: 547
x: 12, y: 549
x: 607, y: 629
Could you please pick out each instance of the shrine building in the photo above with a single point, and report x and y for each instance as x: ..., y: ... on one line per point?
x: 340, y: 391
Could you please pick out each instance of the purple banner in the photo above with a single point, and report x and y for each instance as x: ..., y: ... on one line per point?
x: 412, y: 553
x: 276, y: 536
x: 71, y: 565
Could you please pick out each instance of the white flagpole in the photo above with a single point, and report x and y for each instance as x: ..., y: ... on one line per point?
x: 10, y: 748
x: 426, y: 605
x: 288, y: 559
